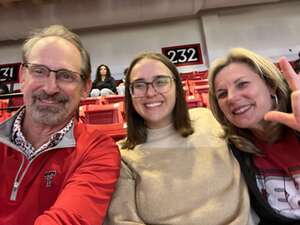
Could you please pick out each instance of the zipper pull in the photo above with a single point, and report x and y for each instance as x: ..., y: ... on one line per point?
x: 13, y: 195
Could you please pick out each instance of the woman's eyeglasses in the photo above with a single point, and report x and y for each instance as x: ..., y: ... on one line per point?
x: 161, y: 84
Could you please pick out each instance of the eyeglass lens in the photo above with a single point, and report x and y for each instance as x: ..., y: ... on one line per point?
x: 42, y: 72
x: 160, y: 84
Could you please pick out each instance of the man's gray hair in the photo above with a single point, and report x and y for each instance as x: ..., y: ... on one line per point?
x: 62, y: 32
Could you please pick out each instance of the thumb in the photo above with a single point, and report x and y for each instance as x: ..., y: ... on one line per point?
x: 280, y: 117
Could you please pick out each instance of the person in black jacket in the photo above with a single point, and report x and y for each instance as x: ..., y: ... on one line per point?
x: 104, y: 84
x: 250, y: 98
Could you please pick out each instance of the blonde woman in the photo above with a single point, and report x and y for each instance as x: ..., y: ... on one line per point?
x: 246, y: 93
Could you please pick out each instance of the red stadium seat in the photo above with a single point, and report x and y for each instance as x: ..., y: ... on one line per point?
x: 199, y: 89
x: 194, y: 75
x: 186, y: 90
x: 16, y: 101
x: 198, y: 82
x: 109, y: 99
x: 205, y: 100
x: 107, y: 118
x: 201, y: 92
x: 91, y: 100
x: 4, y: 114
x: 193, y: 102
x: 101, y: 114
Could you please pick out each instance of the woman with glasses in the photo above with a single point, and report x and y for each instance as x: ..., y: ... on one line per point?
x: 104, y: 84
x: 175, y: 169
x: 245, y: 88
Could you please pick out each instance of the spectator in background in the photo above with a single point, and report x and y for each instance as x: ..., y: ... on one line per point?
x: 245, y: 88
x: 3, y: 89
x: 175, y: 168
x: 104, y: 84
x: 53, y: 169
x: 121, y: 86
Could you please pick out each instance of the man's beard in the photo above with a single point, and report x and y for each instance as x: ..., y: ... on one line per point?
x: 49, y: 114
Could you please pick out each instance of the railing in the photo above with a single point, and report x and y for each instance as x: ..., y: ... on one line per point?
x: 15, y: 101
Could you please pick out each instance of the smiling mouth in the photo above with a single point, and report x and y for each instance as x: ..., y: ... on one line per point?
x: 241, y: 110
x: 153, y: 104
x: 48, y: 102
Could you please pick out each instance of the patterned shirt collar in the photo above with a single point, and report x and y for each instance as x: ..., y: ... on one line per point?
x: 26, y: 147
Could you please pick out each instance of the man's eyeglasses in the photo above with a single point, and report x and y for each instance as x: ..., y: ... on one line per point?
x: 62, y: 75
x: 161, y: 84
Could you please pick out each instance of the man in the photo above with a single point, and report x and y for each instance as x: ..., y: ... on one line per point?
x: 53, y: 169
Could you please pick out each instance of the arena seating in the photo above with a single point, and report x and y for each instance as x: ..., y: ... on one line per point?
x: 198, y: 82
x: 194, y: 102
x: 4, y: 113
x: 90, y: 100
x: 9, y: 103
x: 15, y: 101
x: 113, y: 99
x: 195, y: 86
x: 107, y: 113
x: 108, y: 117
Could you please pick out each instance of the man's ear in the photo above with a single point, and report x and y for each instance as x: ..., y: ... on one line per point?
x: 86, y: 88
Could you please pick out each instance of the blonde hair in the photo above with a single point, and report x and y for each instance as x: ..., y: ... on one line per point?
x: 270, y: 74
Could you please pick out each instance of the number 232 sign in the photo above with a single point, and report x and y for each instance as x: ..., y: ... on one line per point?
x: 184, y: 55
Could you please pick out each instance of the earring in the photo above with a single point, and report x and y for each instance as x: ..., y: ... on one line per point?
x: 275, y: 99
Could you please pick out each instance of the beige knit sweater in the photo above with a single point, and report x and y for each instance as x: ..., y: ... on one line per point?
x: 181, y: 181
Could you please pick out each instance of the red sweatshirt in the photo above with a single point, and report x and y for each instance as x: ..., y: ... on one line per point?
x: 71, y: 183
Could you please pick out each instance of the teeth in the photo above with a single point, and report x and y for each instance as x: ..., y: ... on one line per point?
x: 154, y: 104
x: 48, y: 101
x: 241, y: 109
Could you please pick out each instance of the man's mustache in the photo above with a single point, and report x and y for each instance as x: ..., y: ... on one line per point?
x: 58, y: 97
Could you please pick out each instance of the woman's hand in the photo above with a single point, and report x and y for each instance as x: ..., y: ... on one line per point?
x: 291, y: 120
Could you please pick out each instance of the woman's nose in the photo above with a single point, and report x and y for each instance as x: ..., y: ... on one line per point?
x: 151, y: 91
x: 232, y: 95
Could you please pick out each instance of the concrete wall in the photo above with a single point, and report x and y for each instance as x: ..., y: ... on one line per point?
x: 270, y: 29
